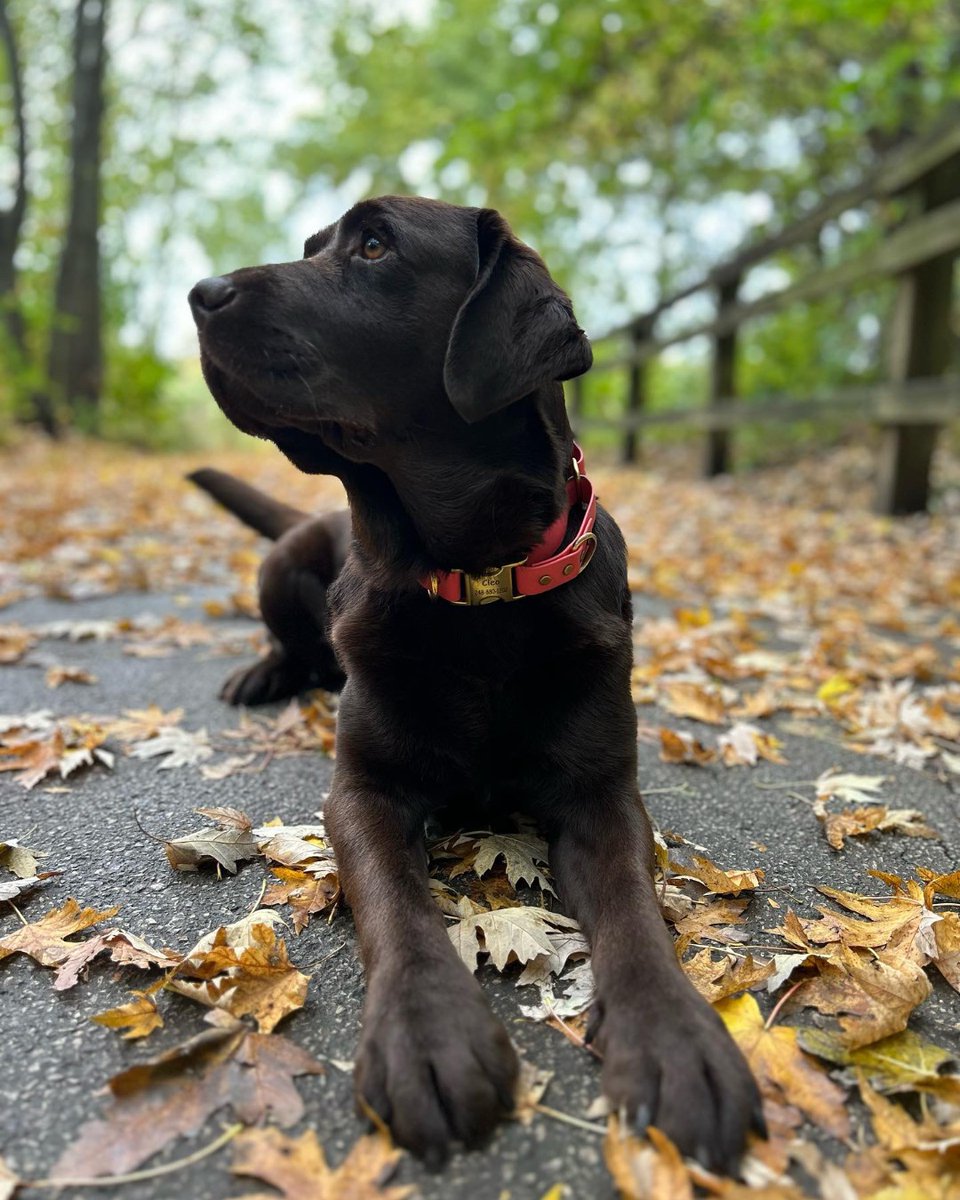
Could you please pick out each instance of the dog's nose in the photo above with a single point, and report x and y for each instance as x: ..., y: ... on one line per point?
x: 210, y: 294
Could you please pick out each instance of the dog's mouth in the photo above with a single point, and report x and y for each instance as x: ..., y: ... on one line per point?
x: 280, y: 404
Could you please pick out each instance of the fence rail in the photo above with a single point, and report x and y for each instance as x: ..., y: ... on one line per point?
x: 918, y: 396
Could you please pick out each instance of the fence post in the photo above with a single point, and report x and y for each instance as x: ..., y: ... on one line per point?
x: 922, y: 345
x: 722, y: 380
x: 636, y: 387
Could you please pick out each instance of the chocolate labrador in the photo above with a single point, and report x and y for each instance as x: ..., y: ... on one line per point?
x: 476, y: 602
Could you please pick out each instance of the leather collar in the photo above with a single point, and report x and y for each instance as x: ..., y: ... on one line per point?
x: 548, y: 565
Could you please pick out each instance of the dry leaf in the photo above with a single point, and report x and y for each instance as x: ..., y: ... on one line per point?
x: 524, y: 857
x: 904, y: 1062
x: 297, y: 1167
x: 785, y: 1074
x: 45, y: 940
x: 715, y: 879
x: 743, y: 745
x: 140, y: 1017
x: 172, y: 1096
x: 676, y: 746
x: 521, y: 933
x: 244, y: 970
x: 56, y: 676
x: 178, y: 747
x: 695, y: 701
x: 226, y: 846
x: 725, y: 975
x: 645, y: 1170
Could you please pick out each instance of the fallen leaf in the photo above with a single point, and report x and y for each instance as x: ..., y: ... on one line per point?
x: 715, y: 978
x: 850, y: 789
x: 524, y: 857
x: 226, y: 846
x: 715, y: 879
x: 172, y: 1095
x: 45, y: 940
x: 9, y: 1181
x: 522, y: 933
x: 904, y: 1062
x: 743, y: 745
x: 298, y: 1169
x: 784, y: 1073
x: 18, y: 859
x: 244, y: 970
x: 125, y: 949
x: 645, y: 1169
x: 307, y: 894
x: 695, y: 701
x: 58, y: 675
x: 140, y: 1017
x: 178, y: 747
x: 676, y: 746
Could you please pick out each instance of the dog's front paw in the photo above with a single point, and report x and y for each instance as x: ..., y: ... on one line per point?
x: 434, y: 1063
x: 272, y: 678
x: 670, y: 1062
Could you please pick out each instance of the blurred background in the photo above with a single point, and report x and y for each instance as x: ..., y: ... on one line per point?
x: 637, y: 145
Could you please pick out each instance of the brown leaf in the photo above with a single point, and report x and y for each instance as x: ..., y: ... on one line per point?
x: 172, y: 1095
x: 645, y: 1169
x: 125, y: 949
x: 55, y: 676
x: 679, y: 747
x: 785, y: 1074
x: 45, y: 940
x: 9, y: 1182
x: 140, y: 1017
x: 726, y: 975
x: 306, y: 894
x: 245, y: 971
x: 227, y: 847
x: 946, y: 932
x: 695, y: 701
x: 715, y: 879
x: 298, y: 1169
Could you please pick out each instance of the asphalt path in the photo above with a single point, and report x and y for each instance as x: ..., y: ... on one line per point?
x: 54, y: 1061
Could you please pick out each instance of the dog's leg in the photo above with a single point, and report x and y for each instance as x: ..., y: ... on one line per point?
x: 433, y: 1061
x: 293, y: 602
x: 667, y: 1058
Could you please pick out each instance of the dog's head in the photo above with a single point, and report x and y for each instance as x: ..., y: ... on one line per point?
x: 406, y: 317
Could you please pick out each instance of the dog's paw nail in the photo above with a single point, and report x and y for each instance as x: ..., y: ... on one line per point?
x: 758, y: 1122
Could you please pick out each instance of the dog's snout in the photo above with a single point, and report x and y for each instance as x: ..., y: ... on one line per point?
x: 210, y: 294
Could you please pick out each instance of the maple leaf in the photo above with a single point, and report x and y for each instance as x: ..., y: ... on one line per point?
x: 522, y: 933
x: 45, y: 940
x: 307, y: 894
x: 904, y: 1062
x: 172, y: 1095
x: 227, y: 846
x: 785, y: 1074
x: 857, y: 822
x: 125, y: 949
x: 178, y: 747
x: 244, y: 969
x: 849, y: 789
x: 645, y: 1169
x: 18, y: 859
x: 523, y: 856
x: 298, y: 1169
x: 139, y: 724
x: 139, y: 1017
x: 716, y: 880
x: 676, y: 746
x: 695, y: 701
x: 57, y: 675
x: 716, y: 920
x: 717, y: 977
x: 743, y: 745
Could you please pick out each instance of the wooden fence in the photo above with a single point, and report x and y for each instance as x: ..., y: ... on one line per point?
x: 919, y: 395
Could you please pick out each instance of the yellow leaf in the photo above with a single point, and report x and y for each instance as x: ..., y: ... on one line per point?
x: 645, y: 1170
x: 784, y: 1073
x: 297, y: 1167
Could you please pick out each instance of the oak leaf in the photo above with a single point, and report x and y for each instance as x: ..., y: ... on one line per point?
x: 298, y: 1168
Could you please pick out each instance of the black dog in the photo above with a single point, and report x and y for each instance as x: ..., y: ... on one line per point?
x: 415, y: 352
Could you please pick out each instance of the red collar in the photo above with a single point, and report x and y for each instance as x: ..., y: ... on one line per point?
x: 547, y: 565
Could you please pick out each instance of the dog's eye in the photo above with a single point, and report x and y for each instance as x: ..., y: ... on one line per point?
x: 372, y: 247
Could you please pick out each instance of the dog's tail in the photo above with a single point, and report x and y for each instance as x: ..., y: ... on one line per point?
x: 256, y: 509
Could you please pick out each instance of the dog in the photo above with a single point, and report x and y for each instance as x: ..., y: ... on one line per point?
x: 474, y: 608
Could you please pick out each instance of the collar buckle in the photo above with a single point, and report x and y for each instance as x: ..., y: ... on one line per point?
x: 496, y: 583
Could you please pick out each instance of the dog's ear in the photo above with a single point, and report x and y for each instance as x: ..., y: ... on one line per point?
x: 514, y: 332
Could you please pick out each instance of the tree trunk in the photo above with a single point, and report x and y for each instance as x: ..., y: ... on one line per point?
x: 75, y: 366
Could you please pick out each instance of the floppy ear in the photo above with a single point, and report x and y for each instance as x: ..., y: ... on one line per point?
x: 514, y: 332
